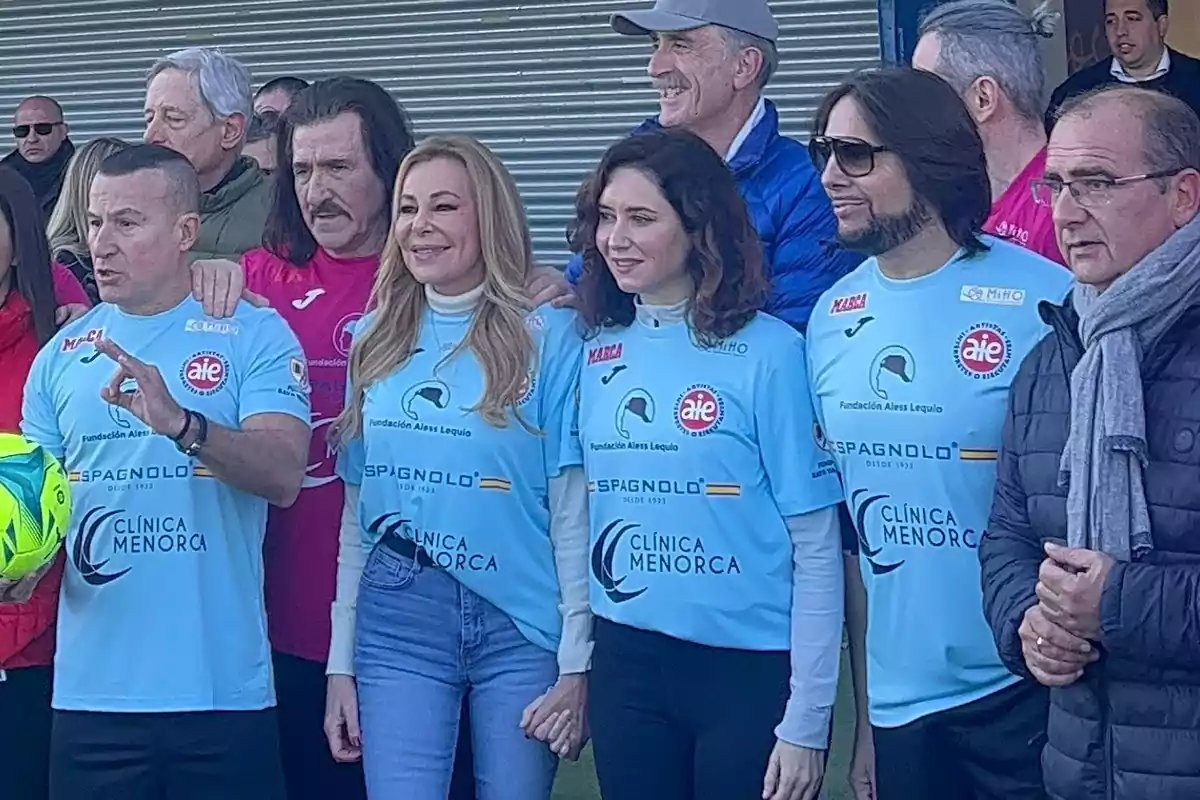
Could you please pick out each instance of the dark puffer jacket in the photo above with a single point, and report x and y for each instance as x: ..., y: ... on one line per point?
x: 1130, y: 728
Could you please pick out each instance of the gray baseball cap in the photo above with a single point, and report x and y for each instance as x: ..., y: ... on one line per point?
x: 668, y: 16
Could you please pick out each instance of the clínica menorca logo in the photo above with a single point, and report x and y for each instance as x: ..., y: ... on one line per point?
x: 862, y: 507
x: 604, y: 552
x: 82, y: 556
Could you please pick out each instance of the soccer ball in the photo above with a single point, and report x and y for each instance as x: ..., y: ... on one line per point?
x: 35, y: 505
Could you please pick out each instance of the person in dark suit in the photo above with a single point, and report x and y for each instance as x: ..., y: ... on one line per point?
x: 1137, y: 32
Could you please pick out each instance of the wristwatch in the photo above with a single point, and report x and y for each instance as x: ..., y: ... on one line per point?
x: 194, y: 418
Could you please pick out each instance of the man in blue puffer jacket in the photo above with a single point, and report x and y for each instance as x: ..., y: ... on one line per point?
x: 710, y: 64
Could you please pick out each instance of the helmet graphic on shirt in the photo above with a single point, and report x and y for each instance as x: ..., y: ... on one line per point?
x: 426, y: 393
x: 637, y: 404
x: 119, y: 415
x: 893, y: 367
x: 343, y: 333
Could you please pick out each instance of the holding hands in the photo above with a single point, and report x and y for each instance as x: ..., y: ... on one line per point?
x: 559, y: 717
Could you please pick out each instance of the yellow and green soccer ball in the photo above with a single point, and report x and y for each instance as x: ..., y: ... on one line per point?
x: 35, y: 505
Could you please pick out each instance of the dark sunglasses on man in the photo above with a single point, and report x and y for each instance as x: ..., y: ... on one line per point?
x: 855, y: 157
x: 42, y: 128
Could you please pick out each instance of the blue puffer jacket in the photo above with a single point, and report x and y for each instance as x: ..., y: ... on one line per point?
x: 1129, y: 729
x: 793, y: 217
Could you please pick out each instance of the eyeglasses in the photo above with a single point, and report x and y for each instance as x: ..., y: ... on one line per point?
x: 855, y: 157
x: 1089, y: 192
x: 42, y: 128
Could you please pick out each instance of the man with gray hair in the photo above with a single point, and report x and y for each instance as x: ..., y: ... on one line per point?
x: 198, y: 104
x: 1091, y: 560
x: 710, y: 64
x: 988, y: 50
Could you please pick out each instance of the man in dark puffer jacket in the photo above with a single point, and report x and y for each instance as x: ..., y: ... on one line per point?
x: 1110, y: 401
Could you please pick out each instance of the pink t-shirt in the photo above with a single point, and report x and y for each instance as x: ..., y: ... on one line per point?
x: 1018, y: 219
x: 319, y: 301
x: 67, y: 288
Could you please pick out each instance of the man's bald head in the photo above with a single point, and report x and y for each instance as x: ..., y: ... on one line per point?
x: 1170, y: 128
x: 39, y: 128
x: 42, y: 103
x: 1131, y: 159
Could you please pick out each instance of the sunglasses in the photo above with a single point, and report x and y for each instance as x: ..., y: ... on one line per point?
x: 42, y: 128
x: 855, y: 157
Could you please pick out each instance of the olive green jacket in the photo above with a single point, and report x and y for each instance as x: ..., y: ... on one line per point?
x: 234, y: 214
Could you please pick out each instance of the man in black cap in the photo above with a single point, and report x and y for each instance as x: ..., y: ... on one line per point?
x: 711, y: 62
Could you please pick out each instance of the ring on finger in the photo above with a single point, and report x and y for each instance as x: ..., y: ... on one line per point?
x: 1038, y: 644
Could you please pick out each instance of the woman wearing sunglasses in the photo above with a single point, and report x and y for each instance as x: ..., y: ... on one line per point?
x: 716, y: 558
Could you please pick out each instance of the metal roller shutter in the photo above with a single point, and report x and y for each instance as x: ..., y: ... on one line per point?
x: 546, y: 84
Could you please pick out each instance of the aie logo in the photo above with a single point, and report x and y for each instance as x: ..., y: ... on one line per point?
x: 81, y: 554
x: 637, y: 403
x: 893, y: 365
x: 205, y: 373
x: 861, y: 510
x: 699, y: 411
x: 983, y: 351
x: 602, y: 561
x: 435, y: 393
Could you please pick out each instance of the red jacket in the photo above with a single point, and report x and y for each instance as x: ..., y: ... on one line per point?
x: 27, y: 630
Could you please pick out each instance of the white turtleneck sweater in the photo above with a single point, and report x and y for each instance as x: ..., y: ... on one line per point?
x: 818, y: 593
x: 568, y: 536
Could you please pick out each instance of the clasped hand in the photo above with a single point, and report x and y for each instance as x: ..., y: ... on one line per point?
x: 1058, y: 632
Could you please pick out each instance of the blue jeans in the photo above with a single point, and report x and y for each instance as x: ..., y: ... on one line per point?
x: 423, y: 640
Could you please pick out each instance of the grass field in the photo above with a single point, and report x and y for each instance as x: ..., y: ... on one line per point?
x: 578, y: 781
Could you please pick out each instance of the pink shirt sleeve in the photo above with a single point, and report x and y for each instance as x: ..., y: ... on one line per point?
x: 1044, y: 242
x: 67, y: 288
x: 254, y: 266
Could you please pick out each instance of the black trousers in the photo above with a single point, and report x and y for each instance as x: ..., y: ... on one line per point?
x: 675, y: 720
x: 25, y: 719
x: 986, y: 750
x: 308, y: 768
x: 232, y: 755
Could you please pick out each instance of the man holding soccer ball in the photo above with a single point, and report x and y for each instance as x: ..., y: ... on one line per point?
x: 176, y: 430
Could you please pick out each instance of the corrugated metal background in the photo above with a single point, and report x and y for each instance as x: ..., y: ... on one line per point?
x: 548, y: 85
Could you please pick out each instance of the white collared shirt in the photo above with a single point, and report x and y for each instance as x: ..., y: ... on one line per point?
x: 760, y: 110
x: 1164, y: 66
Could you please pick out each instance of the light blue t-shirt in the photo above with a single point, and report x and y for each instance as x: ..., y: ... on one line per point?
x: 910, y: 381
x: 162, y: 606
x: 472, y: 495
x: 694, y: 457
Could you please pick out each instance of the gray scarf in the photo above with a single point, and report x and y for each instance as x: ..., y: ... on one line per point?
x: 1106, y: 448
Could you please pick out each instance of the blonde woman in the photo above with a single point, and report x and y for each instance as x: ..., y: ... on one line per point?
x: 463, y: 558
x: 67, y: 229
